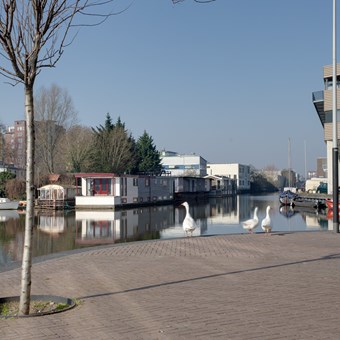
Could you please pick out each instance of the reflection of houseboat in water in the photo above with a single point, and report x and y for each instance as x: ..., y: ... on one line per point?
x: 113, y: 226
x: 51, y: 222
x: 95, y: 227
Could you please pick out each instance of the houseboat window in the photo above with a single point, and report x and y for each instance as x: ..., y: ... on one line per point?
x: 147, y: 182
x: 123, y: 183
x: 102, y: 186
x: 135, y: 182
x: 97, y: 185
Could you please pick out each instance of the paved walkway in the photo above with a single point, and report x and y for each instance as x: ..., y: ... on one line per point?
x: 284, y: 286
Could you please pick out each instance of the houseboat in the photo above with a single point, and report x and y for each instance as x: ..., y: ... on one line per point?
x: 220, y: 186
x: 55, y: 196
x: 191, y: 188
x: 108, y: 190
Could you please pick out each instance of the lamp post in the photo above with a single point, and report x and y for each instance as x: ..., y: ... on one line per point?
x: 335, y: 152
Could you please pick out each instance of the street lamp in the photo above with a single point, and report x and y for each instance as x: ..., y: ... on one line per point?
x: 335, y: 152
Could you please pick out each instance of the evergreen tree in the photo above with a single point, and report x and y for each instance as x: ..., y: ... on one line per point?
x: 113, y: 148
x: 148, y: 157
x: 108, y: 123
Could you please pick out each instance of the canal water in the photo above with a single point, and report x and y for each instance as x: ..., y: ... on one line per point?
x: 61, y: 231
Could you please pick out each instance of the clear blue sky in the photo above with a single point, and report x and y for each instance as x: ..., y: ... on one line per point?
x: 231, y: 80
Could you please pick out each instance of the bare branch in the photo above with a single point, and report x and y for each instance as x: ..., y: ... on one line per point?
x: 34, y: 34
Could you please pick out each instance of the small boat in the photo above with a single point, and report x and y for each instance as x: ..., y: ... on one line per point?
x: 7, y: 204
x: 287, y: 197
x: 301, y: 202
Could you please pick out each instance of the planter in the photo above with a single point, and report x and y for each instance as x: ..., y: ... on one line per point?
x: 50, y: 304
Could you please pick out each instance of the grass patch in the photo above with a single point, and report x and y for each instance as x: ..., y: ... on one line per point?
x: 11, y: 308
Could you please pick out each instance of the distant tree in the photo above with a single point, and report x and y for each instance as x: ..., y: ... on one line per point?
x: 16, y: 189
x: 4, y: 178
x: 77, y: 148
x: 108, y: 123
x: 148, y: 157
x: 113, y: 148
x: 259, y: 183
x: 272, y: 174
x: 55, y: 114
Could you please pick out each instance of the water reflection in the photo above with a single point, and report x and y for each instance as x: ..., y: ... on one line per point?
x: 58, y: 231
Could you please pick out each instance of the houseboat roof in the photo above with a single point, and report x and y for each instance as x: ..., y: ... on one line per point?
x: 56, y: 186
x: 94, y: 175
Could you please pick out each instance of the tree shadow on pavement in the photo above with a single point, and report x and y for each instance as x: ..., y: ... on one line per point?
x: 328, y: 257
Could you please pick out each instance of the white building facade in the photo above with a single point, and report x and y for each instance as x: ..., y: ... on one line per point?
x: 238, y: 172
x: 178, y: 165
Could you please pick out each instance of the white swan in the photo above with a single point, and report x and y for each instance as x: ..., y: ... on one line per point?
x: 252, y: 223
x: 189, y: 225
x: 266, y: 223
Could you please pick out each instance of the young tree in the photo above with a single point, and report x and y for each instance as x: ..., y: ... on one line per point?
x: 54, y: 115
x: 148, y: 157
x: 33, y: 36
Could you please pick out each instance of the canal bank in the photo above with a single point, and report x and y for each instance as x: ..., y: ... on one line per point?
x: 282, y: 286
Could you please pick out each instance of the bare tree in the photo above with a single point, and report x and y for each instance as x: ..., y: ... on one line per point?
x: 33, y: 36
x: 77, y: 148
x: 54, y: 115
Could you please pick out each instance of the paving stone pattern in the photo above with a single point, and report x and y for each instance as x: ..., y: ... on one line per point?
x: 283, y: 286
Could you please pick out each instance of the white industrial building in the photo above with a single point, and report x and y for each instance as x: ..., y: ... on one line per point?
x: 238, y: 172
x: 178, y: 165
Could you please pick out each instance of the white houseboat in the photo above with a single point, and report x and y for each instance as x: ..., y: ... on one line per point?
x: 108, y: 190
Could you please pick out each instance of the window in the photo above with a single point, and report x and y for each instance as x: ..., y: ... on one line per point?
x: 102, y: 186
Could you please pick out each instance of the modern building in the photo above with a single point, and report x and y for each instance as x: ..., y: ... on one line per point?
x: 321, y: 167
x: 15, y: 144
x: 323, y: 103
x: 178, y: 165
x: 238, y: 172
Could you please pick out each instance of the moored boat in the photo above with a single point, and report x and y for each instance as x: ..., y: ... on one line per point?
x: 302, y: 202
x: 7, y: 204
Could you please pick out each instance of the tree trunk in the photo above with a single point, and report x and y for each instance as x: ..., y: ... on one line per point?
x: 25, y: 295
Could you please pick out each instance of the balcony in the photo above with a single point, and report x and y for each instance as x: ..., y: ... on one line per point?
x: 318, y: 101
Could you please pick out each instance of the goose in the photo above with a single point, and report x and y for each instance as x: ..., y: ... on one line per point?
x: 266, y: 222
x: 189, y: 224
x: 252, y: 223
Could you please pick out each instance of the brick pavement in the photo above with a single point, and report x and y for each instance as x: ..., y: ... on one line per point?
x: 283, y: 286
